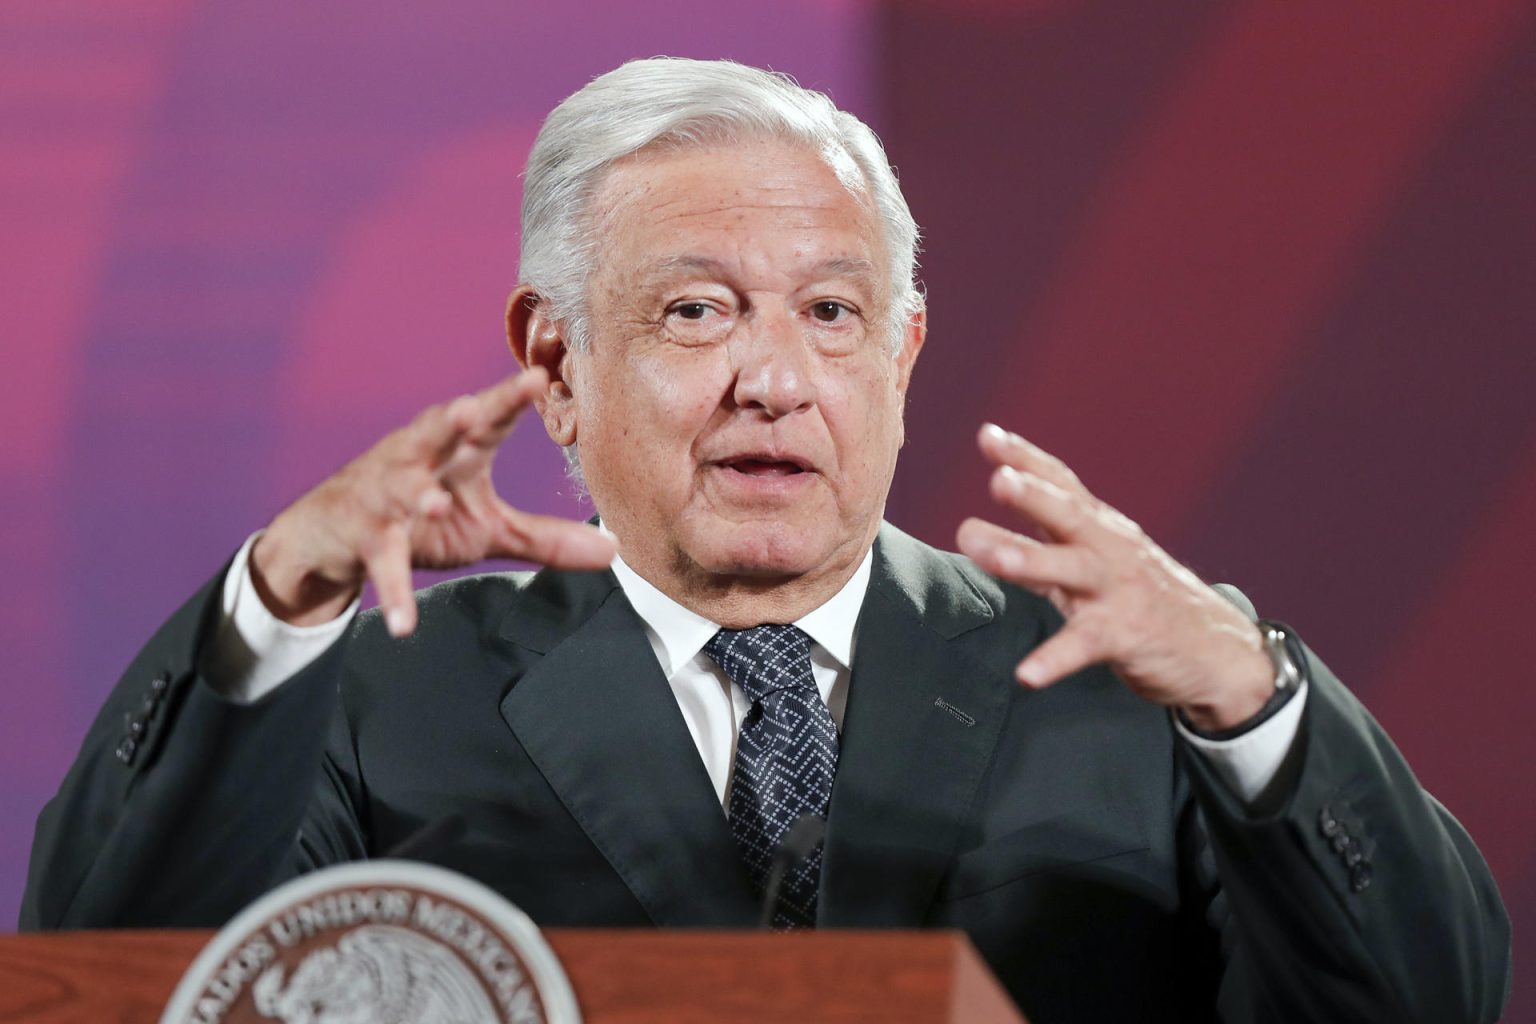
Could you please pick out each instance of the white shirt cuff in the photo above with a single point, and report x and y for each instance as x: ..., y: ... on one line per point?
x: 1249, y: 763
x: 253, y: 651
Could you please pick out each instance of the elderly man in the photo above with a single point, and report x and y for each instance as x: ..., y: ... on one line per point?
x: 1139, y: 803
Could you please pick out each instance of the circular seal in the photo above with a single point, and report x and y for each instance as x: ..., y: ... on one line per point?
x: 376, y: 942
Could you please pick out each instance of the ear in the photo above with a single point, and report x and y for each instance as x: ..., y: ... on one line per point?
x: 536, y: 340
x: 913, y: 334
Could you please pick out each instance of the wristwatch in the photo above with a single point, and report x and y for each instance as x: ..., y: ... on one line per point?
x: 1284, y: 652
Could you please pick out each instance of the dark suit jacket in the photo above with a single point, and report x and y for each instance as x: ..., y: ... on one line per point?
x: 1099, y: 866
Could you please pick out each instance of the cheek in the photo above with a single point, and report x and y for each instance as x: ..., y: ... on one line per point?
x: 657, y: 406
x: 685, y: 397
x: 865, y: 415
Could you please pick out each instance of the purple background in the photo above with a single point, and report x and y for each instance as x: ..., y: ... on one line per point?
x: 1261, y: 272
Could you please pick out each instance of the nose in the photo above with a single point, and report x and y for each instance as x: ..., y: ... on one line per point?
x: 773, y: 363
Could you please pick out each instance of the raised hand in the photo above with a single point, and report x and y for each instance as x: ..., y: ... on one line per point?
x: 422, y: 497
x: 1172, y: 639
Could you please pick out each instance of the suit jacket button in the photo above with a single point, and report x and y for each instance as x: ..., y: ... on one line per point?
x: 1360, y: 876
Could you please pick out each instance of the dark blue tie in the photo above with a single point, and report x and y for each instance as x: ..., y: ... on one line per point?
x: 786, y: 755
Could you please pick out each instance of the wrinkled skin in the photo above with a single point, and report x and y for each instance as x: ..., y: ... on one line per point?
x: 738, y: 413
x: 739, y: 408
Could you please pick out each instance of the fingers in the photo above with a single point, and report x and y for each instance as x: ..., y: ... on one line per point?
x: 1039, y: 486
x: 552, y: 541
x: 1067, y: 652
x: 483, y: 419
x: 1025, y: 561
x: 505, y: 400
x: 1062, y: 514
x: 388, y: 564
x: 435, y: 433
x: 1009, y: 449
x: 1125, y: 602
x: 433, y: 459
x: 495, y: 410
x: 422, y: 495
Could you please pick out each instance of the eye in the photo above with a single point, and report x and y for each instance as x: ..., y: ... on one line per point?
x: 690, y: 310
x: 829, y: 311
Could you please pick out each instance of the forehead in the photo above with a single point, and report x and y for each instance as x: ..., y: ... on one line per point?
x: 755, y: 202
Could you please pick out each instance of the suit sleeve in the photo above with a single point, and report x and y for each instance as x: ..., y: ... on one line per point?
x: 183, y: 806
x: 1353, y: 894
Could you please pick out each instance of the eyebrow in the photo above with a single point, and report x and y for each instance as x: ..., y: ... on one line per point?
x: 668, y: 266
x: 838, y: 266
x: 846, y: 266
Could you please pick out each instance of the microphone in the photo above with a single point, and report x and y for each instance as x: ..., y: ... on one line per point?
x: 798, y: 843
x: 430, y: 840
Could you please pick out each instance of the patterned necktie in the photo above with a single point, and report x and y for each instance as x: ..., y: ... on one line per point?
x: 786, y: 755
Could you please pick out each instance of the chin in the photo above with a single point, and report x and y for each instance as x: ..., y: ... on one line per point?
x: 765, y: 549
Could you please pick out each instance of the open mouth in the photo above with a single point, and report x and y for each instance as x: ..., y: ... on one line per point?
x: 755, y: 466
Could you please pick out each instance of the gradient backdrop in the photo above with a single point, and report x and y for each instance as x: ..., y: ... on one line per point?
x: 1264, y: 273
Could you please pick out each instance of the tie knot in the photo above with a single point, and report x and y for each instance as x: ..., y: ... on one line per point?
x: 763, y: 659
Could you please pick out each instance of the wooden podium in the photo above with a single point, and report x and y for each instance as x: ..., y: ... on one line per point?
x: 126, y: 977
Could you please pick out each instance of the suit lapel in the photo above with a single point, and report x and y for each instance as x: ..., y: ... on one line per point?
x: 918, y: 734
x: 596, y: 716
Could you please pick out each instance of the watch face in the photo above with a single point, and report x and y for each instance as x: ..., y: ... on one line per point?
x: 1277, y: 644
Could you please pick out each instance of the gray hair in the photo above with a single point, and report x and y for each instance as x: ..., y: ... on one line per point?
x: 680, y: 102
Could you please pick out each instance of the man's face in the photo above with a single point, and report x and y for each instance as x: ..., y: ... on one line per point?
x: 739, y: 408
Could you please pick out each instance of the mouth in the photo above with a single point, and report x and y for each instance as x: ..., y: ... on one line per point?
x: 765, y: 465
x: 753, y: 482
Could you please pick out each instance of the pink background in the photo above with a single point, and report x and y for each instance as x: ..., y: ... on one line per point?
x: 1262, y: 272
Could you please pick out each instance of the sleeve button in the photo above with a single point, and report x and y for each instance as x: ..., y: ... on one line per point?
x: 126, y: 750
x: 1360, y: 876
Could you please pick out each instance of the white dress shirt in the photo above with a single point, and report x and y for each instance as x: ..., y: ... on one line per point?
x: 712, y: 705
x: 252, y: 652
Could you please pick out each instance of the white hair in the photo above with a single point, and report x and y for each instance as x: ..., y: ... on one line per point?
x: 673, y: 101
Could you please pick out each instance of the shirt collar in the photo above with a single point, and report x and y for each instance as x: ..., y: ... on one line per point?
x: 678, y: 634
